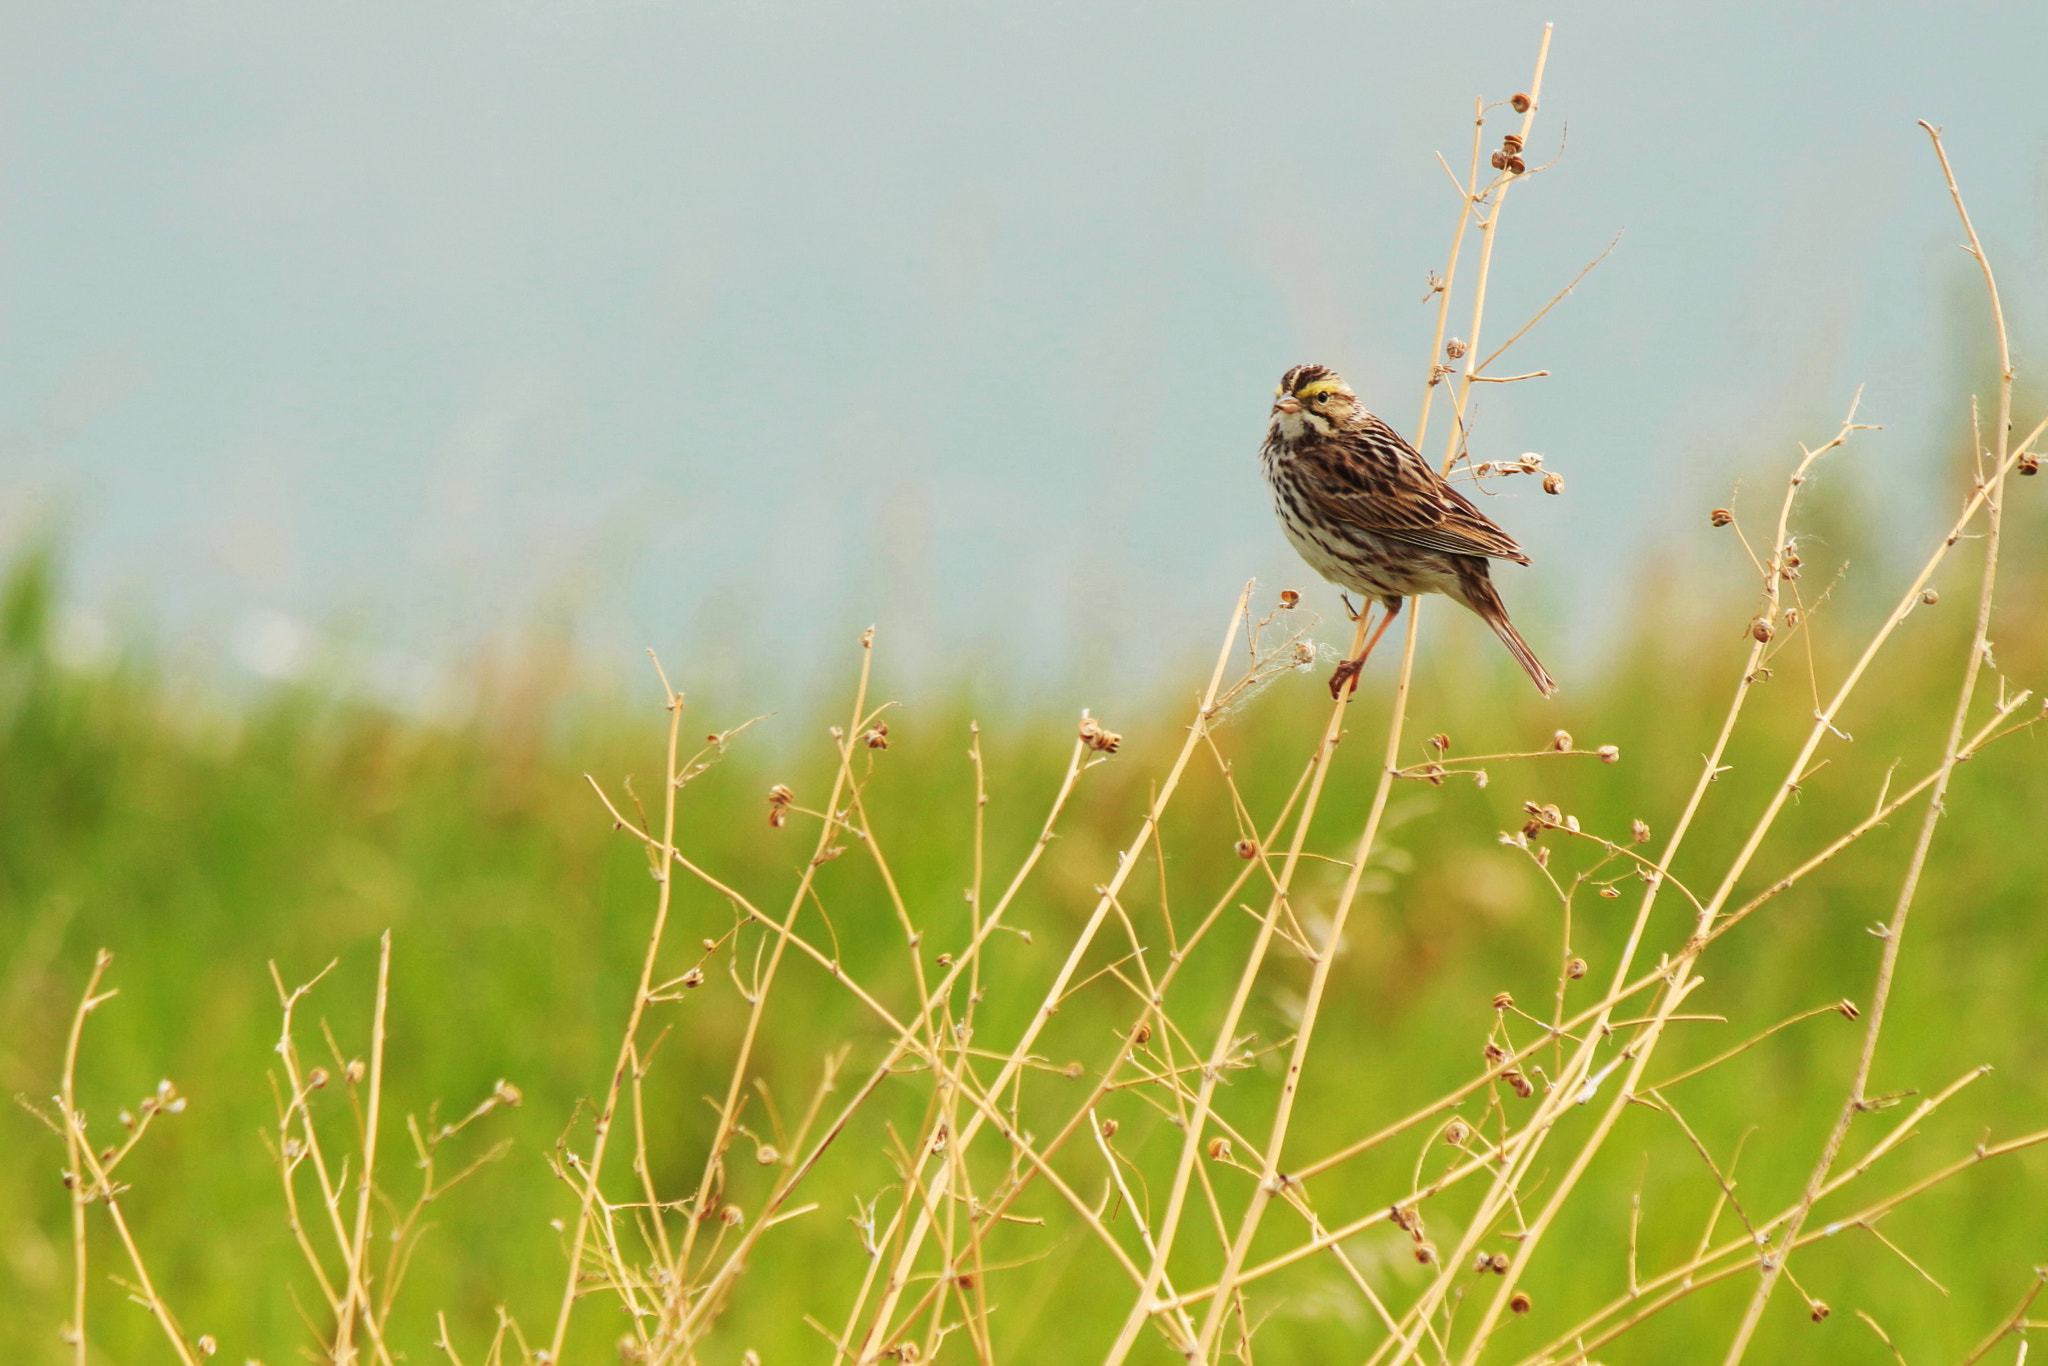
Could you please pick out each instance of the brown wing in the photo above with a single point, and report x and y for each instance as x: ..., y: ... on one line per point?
x: 1372, y: 479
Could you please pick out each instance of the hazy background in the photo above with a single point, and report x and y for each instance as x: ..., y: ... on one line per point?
x: 388, y: 330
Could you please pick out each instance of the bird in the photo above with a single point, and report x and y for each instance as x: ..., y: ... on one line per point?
x: 1366, y: 511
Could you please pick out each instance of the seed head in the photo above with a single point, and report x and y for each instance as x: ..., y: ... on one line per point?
x: 1289, y: 599
x: 1516, y: 166
x: 1502, y: 1000
x: 1639, y: 831
x: 1521, y: 103
x: 1817, y: 1310
x: 316, y: 1078
x: 206, y: 1345
x: 732, y: 1216
x: 694, y: 977
x: 1440, y: 742
x: 1247, y: 848
x: 1512, y: 142
x: 1520, y: 1302
x: 1219, y: 1149
x: 2029, y: 463
x: 1455, y: 348
x: 1109, y: 1128
x: 1499, y: 161
x: 1457, y: 1133
x: 1518, y: 1083
x: 1847, y: 1008
x: 1575, y: 968
x: 767, y: 1155
x: 1561, y: 741
x: 1760, y: 630
x: 505, y: 1093
x: 355, y: 1071
x: 1553, y: 482
x: 1609, y: 892
x: 1074, y: 1071
x: 1425, y: 1253
x: 1930, y: 597
x: 1142, y: 1034
x: 1720, y: 517
x: 1609, y: 754
x: 779, y: 800
x: 877, y: 737
x: 1498, y: 1263
x: 1096, y: 738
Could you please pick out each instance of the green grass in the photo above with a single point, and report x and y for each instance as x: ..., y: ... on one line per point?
x: 199, y: 840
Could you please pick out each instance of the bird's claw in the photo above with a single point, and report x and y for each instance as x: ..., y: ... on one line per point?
x: 1344, y: 675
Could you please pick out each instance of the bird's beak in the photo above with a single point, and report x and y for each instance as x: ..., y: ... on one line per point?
x: 1287, y: 403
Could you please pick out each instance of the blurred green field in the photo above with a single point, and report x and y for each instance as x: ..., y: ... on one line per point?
x: 198, y: 839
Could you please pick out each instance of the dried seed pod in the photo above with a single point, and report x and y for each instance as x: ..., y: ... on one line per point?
x: 1521, y: 103
x: 1609, y: 892
x: 1109, y: 1128
x: 1609, y: 754
x: 354, y: 1071
x: 1930, y: 597
x: 1720, y: 517
x: 1440, y: 742
x: 779, y: 800
x: 877, y: 737
x: 694, y: 977
x: 1289, y: 599
x: 1520, y: 1084
x: 1247, y: 848
x: 1219, y: 1149
x: 1575, y: 968
x: 206, y: 1345
x: 1425, y: 1253
x: 1498, y: 1263
x: 1095, y: 737
x: 1482, y: 1262
x: 1847, y: 1008
x: 1512, y: 142
x: 1502, y: 1000
x: 505, y: 1093
x: 1455, y: 348
x: 767, y: 1155
x: 1553, y: 482
x: 1499, y: 161
x: 1561, y: 741
x: 1520, y: 1302
x: 1760, y: 630
x: 2029, y: 463
x: 1142, y: 1034
x: 316, y: 1078
x: 1074, y: 1071
x: 1457, y: 1133
x: 1639, y: 830
x: 732, y: 1216
x: 1817, y: 1310
x: 1516, y: 166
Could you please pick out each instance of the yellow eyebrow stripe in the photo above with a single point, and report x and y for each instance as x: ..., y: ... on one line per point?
x: 1321, y: 386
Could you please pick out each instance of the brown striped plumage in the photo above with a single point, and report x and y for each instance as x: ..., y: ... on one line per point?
x: 1366, y: 511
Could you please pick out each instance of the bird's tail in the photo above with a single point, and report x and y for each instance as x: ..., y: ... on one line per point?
x: 1481, y: 597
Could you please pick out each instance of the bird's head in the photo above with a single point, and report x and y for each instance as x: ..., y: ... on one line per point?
x: 1312, y: 401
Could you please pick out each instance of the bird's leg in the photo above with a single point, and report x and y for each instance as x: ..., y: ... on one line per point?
x: 1351, y: 611
x: 1346, y: 673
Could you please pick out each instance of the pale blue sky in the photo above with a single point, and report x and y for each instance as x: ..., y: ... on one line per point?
x: 731, y: 328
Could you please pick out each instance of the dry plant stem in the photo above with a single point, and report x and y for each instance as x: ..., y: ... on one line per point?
x: 1694, y: 1276
x: 1952, y: 750
x: 1270, y: 1177
x: 74, y: 1126
x: 2015, y: 1320
x: 90, y: 1181
x: 1488, y: 230
x: 1013, y: 1065
x: 356, y: 1297
x: 602, y: 1122
x: 1443, y: 300
x: 1566, y: 1089
x: 1191, y: 1144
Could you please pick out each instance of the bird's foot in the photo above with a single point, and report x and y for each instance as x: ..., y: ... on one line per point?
x: 1345, y: 675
